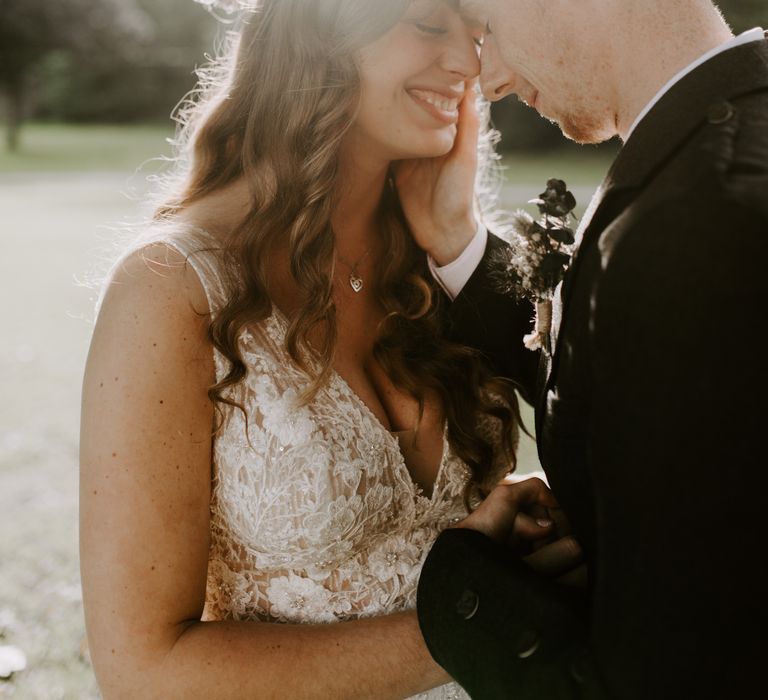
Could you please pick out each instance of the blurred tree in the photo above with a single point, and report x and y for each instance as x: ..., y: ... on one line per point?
x: 30, y: 30
x: 140, y: 85
x: 744, y: 14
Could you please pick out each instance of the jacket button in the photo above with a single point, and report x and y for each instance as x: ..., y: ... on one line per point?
x: 720, y: 113
x: 528, y: 644
x: 468, y: 604
x: 580, y: 667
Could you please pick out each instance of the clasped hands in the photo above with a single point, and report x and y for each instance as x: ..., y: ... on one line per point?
x: 524, y: 516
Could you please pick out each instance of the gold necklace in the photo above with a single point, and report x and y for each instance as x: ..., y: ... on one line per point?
x: 355, y: 280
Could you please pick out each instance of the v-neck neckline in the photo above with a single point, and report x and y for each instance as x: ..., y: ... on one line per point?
x: 418, y: 490
x: 389, y: 437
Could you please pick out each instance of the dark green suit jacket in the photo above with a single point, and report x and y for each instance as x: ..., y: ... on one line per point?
x: 651, y: 420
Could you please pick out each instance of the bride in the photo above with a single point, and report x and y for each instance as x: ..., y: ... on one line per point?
x: 275, y: 423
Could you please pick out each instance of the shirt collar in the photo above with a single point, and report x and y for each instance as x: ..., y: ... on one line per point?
x: 756, y: 34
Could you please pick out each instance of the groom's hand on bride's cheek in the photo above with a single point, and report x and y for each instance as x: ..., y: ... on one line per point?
x: 438, y: 194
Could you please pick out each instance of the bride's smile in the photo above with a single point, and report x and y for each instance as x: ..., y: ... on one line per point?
x: 444, y: 107
x: 413, y: 79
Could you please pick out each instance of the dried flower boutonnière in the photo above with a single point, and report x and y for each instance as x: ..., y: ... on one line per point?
x: 538, y: 256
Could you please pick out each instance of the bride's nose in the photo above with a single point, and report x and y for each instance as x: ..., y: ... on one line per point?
x: 461, y: 58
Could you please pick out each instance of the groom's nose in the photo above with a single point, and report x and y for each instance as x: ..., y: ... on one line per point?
x: 497, y: 80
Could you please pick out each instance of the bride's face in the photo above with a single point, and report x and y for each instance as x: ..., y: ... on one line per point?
x: 413, y: 79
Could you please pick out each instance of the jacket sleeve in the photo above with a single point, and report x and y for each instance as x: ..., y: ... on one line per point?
x: 497, y: 627
x: 678, y: 452
x: 494, y: 323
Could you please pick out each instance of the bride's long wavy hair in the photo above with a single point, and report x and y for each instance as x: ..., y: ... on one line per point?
x: 274, y: 109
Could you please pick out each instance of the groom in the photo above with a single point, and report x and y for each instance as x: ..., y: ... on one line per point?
x: 651, y: 408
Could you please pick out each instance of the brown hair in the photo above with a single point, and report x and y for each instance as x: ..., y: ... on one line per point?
x: 274, y: 110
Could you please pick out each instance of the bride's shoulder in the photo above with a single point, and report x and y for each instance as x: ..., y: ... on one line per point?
x: 153, y: 276
x: 175, y: 260
x: 150, y: 336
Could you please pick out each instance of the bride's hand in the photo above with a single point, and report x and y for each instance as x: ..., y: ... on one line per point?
x: 509, y: 513
x: 437, y: 194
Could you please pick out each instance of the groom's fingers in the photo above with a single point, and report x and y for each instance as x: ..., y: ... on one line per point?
x: 529, y: 527
x: 556, y: 559
x: 578, y: 578
x: 496, y: 516
x: 531, y: 492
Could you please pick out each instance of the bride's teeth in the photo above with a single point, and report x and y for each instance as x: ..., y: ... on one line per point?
x: 440, y: 101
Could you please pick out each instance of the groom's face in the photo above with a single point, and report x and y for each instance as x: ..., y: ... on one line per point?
x: 551, y: 55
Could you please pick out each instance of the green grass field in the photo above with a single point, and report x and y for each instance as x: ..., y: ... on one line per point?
x: 60, y: 198
x: 83, y: 148
x: 585, y: 167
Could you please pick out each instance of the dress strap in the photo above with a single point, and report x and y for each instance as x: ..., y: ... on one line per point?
x: 200, y: 249
x: 203, y: 252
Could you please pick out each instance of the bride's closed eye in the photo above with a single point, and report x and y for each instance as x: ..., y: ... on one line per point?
x: 440, y: 31
x: 427, y: 29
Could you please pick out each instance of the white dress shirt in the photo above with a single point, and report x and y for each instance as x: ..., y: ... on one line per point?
x: 455, y: 275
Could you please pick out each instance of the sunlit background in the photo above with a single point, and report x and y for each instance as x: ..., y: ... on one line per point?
x: 86, y: 90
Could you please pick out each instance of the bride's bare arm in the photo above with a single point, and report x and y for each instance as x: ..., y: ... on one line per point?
x: 144, y: 499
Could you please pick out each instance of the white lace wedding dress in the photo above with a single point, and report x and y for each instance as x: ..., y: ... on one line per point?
x: 314, y: 516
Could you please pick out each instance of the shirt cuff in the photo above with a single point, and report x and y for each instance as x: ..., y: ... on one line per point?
x: 455, y: 275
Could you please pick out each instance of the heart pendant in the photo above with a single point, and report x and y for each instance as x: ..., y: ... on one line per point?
x: 356, y: 283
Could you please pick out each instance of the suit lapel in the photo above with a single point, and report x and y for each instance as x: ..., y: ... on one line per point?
x: 680, y: 112
x: 557, y: 301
